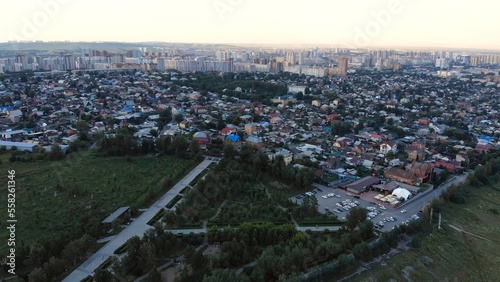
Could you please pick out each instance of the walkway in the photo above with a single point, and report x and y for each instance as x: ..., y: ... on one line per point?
x: 136, y: 228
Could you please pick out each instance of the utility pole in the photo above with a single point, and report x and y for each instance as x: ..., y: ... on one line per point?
x: 439, y: 222
x: 430, y: 219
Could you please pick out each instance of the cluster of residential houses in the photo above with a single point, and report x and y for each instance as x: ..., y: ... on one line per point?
x: 43, y: 109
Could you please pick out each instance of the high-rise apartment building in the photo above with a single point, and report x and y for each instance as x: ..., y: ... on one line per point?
x: 442, y: 63
x: 290, y: 58
x: 342, y: 68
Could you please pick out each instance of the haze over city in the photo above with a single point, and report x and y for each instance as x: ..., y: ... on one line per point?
x: 360, y: 23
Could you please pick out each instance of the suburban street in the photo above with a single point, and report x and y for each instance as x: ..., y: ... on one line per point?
x: 419, y: 203
x: 136, y: 228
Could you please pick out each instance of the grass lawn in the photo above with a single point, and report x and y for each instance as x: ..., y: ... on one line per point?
x: 449, y: 255
x: 53, y: 197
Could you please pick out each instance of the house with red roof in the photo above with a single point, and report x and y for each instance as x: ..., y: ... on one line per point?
x: 448, y: 166
x: 227, y: 131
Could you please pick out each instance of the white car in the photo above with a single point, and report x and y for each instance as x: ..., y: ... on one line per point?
x: 403, y: 211
x: 324, y: 197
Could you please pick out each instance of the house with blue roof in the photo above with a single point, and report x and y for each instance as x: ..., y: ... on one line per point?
x: 126, y: 109
x: 233, y: 138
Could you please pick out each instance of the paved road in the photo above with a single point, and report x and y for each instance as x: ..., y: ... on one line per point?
x: 419, y: 203
x: 136, y: 228
x: 412, y: 207
x: 415, y: 205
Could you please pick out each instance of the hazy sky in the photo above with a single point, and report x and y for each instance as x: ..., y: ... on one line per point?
x: 354, y: 23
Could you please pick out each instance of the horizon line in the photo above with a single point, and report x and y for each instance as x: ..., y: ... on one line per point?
x: 288, y: 45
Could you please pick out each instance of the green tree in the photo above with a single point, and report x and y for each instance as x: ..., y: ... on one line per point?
x: 220, y: 275
x: 133, y: 246
x: 229, y: 150
x: 147, y: 253
x: 103, y: 275
x: 194, y: 146
x: 154, y: 132
x: 76, y: 248
x: 361, y: 251
x: 178, y: 118
x: 37, y: 275
x: 355, y: 216
x: 82, y: 128
x: 71, y: 251
x: 55, y: 153
x: 261, y: 162
x: 166, y: 116
x: 53, y: 267
x: 246, y: 152
x: 38, y: 253
x: 180, y: 145
x: 390, y: 155
x: 366, y: 229
x: 164, y: 143
x: 154, y: 275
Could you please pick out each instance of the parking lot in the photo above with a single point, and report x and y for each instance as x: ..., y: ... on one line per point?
x: 338, y: 202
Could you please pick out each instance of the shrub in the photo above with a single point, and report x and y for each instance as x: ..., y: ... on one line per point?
x: 458, y: 198
x: 416, y: 241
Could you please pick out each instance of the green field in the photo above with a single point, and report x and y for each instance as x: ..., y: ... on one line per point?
x: 53, y: 198
x: 450, y: 255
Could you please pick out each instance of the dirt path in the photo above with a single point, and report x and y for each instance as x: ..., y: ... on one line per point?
x: 240, y: 270
x: 467, y: 232
x: 402, y: 246
x: 218, y: 210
